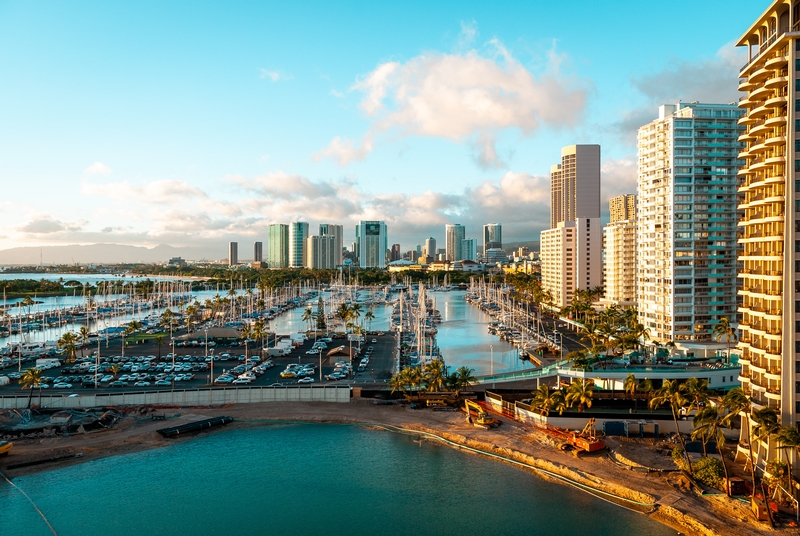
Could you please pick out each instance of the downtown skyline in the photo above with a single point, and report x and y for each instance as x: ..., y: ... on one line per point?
x: 213, y: 122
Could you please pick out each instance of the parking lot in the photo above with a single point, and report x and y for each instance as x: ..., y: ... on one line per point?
x: 142, y: 369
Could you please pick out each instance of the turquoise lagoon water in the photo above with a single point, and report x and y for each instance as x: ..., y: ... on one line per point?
x: 306, y: 479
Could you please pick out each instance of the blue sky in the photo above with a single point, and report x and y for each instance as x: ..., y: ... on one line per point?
x: 191, y: 123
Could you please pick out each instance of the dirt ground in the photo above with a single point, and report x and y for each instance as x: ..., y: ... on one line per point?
x: 677, y: 504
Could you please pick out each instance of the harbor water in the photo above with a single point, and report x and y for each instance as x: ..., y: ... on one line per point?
x: 305, y: 479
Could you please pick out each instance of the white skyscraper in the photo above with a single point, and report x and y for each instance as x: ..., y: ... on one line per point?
x: 468, y: 250
x: 686, y: 223
x: 321, y: 252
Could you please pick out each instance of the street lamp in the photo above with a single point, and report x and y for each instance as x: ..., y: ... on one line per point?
x: 561, y: 345
x: 206, y: 331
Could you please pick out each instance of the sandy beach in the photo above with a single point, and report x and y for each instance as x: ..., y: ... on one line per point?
x: 676, y: 504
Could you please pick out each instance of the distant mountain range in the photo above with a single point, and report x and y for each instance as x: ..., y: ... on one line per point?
x: 122, y: 254
x: 97, y: 254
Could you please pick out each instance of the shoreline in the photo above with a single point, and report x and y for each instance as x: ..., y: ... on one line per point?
x: 673, y: 504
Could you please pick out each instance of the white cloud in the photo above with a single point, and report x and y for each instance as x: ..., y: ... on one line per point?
x: 337, y: 94
x: 160, y: 192
x: 274, y: 75
x: 344, y: 151
x: 98, y: 168
x: 463, y: 97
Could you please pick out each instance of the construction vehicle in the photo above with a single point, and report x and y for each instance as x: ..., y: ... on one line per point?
x: 584, y: 441
x: 477, y: 417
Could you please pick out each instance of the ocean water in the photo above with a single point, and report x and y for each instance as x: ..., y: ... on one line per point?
x: 306, y: 479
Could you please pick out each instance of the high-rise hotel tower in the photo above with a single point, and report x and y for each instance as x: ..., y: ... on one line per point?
x: 769, y: 183
x: 686, y: 223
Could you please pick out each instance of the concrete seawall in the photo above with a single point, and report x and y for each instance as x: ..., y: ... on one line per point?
x: 185, y: 397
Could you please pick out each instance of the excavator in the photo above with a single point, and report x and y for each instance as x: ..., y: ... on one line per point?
x: 478, y: 417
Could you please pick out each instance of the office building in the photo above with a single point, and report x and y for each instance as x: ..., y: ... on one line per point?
x: 468, y: 250
x: 430, y: 247
x: 337, y: 231
x: 320, y: 252
x: 233, y: 253
x: 298, y: 232
x: 453, y: 234
x: 575, y: 184
x: 258, y: 254
x: 492, y: 237
x: 278, y: 245
x: 371, y: 244
x: 619, y: 247
x: 571, y: 251
x: 622, y: 208
x: 769, y: 191
x: 394, y: 253
x: 686, y: 223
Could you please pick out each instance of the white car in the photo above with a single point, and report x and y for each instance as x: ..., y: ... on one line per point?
x: 239, y: 381
x: 142, y: 384
x: 308, y: 379
x: 63, y: 386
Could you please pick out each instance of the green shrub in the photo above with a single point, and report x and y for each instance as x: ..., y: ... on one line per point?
x: 710, y: 472
x: 707, y: 470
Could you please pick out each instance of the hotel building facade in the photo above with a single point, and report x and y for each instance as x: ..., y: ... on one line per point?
x: 770, y: 223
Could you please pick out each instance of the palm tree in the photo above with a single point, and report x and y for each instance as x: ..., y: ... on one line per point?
x: 697, y: 391
x: 724, y: 330
x: 674, y: 394
x: 580, y: 391
x: 369, y: 317
x: 547, y: 400
x: 258, y: 330
x: 766, y: 424
x: 465, y: 378
x: 31, y: 379
x: 343, y: 313
x: 709, y: 424
x: 788, y: 437
x: 159, y: 338
x: 630, y: 387
x: 83, y: 334
x: 355, y: 312
x: 307, y: 316
x: 434, y: 375
x: 398, y: 382
x: 68, y: 342
x: 737, y: 402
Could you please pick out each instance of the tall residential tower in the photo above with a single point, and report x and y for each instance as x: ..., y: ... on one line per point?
x: 686, y: 223
x: 278, y: 245
x: 298, y: 232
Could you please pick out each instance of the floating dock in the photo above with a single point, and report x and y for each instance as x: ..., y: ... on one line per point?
x: 196, y: 426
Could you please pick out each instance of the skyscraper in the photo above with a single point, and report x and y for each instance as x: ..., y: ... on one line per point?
x: 257, y: 252
x: 619, y: 245
x: 622, y: 207
x: 575, y: 184
x: 320, y: 252
x: 278, y: 248
x: 571, y: 251
x: 233, y: 253
x: 686, y: 223
x: 371, y: 242
x: 430, y: 248
x: 768, y: 227
x: 394, y: 254
x: 468, y: 250
x: 492, y: 237
x: 298, y: 232
x: 337, y: 231
x: 453, y: 234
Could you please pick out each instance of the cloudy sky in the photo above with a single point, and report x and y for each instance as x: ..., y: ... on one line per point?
x: 196, y: 123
